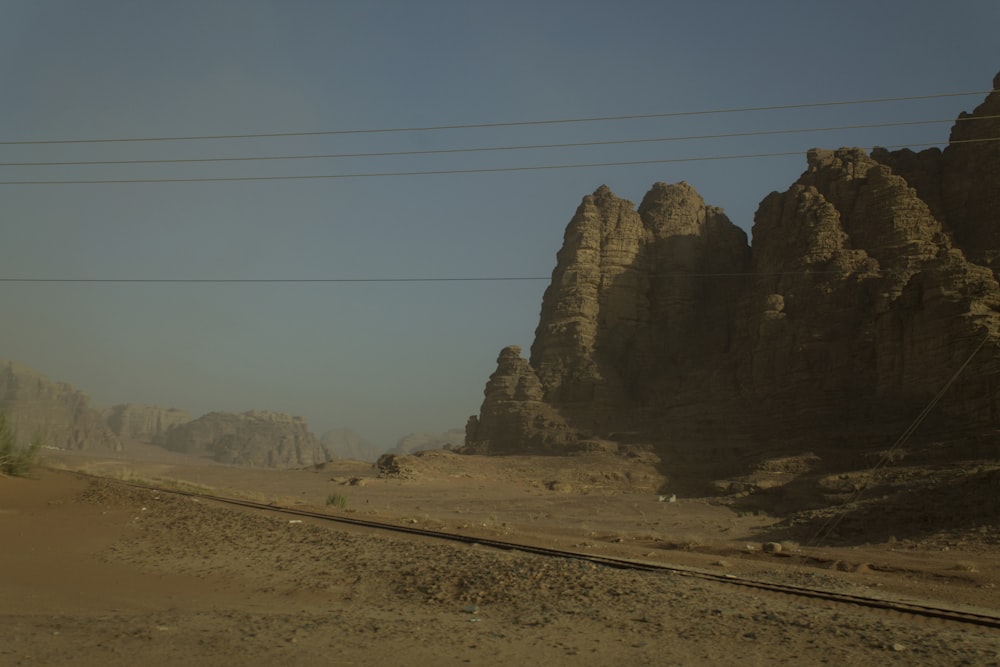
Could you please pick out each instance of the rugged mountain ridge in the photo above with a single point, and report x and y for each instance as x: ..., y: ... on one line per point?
x: 869, y: 282
x: 62, y: 416
x: 57, y: 412
x: 258, y: 438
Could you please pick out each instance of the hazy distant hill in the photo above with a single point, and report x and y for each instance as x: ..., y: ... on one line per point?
x: 418, y: 442
x: 143, y: 422
x: 258, y: 438
x: 344, y: 443
x: 58, y: 412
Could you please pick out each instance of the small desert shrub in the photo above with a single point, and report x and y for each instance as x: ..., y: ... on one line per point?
x: 336, y: 500
x: 15, y: 460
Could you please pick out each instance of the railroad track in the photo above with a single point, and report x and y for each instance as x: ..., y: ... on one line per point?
x: 912, y: 608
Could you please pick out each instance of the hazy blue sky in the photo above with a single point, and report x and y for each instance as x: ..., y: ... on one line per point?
x: 390, y: 358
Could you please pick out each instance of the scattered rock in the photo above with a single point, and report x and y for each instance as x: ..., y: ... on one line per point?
x: 394, y: 465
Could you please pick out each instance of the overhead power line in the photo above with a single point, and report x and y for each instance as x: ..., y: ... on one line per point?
x: 439, y: 172
x: 430, y: 279
x: 275, y: 280
x: 465, y: 126
x: 484, y: 149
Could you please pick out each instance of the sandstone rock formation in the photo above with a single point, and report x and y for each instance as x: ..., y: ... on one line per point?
x: 629, y: 325
x: 57, y: 412
x: 960, y: 184
x: 257, y: 438
x: 143, y: 422
x: 870, y: 282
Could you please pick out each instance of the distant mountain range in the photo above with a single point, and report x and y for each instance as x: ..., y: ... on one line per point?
x: 64, y: 417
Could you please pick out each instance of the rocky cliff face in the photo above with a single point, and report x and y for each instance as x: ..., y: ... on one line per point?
x: 515, y: 417
x: 631, y: 325
x: 143, y: 422
x: 870, y: 281
x: 861, y: 306
x: 960, y: 184
x: 257, y: 438
x: 56, y: 411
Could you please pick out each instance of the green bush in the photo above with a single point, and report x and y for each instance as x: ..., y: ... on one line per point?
x: 336, y: 500
x: 15, y: 460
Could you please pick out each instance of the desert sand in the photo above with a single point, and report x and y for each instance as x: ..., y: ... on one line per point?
x: 93, y: 572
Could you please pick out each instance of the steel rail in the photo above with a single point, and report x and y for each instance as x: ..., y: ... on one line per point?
x: 912, y: 608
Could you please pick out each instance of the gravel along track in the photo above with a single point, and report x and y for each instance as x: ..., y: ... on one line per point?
x: 267, y: 585
x: 905, y: 607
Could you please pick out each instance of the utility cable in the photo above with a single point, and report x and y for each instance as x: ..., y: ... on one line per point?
x: 485, y: 149
x: 276, y: 280
x: 439, y: 172
x: 433, y: 279
x: 465, y: 126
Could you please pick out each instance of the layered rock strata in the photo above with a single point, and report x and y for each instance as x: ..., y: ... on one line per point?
x: 870, y: 282
x: 960, y: 183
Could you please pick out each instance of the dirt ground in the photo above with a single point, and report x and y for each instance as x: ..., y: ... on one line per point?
x: 96, y: 573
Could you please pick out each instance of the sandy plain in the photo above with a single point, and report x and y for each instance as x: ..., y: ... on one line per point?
x: 96, y: 573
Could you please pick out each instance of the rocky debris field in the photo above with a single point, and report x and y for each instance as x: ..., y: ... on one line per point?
x: 178, y: 580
